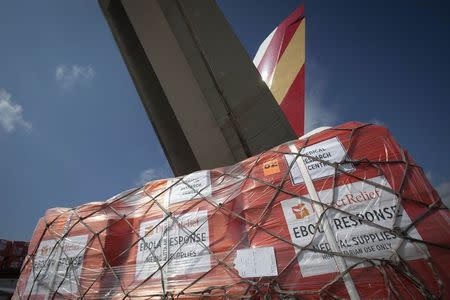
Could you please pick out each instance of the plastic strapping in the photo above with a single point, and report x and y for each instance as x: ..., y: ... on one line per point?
x: 340, y: 261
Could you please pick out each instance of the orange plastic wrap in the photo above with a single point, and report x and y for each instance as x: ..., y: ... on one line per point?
x: 67, y: 257
x: 377, y: 204
x: 184, y: 237
x: 342, y: 213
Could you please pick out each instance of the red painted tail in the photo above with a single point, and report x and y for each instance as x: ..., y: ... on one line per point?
x: 281, y: 62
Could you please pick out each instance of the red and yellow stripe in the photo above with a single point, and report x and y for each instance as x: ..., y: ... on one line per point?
x: 281, y: 63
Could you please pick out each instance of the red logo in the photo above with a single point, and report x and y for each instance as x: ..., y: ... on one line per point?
x: 300, y: 211
x: 45, y: 250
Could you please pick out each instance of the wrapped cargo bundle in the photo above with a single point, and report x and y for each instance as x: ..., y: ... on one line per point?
x: 184, y: 237
x: 5, y: 252
x: 67, y: 257
x: 349, y: 214
x: 19, y: 248
x: 344, y: 212
x: 12, y: 255
x: 5, y: 247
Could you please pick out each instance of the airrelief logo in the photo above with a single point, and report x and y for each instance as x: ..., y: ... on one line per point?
x: 45, y: 251
x: 358, y: 197
x: 300, y: 211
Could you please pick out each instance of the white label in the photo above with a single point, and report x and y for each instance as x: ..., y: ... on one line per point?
x: 184, y: 243
x: 355, y: 238
x: 193, y: 186
x: 256, y: 262
x: 330, y: 150
x: 57, y: 264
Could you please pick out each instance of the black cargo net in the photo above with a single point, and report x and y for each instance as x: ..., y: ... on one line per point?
x: 71, y: 257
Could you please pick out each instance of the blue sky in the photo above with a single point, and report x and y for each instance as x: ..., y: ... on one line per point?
x: 72, y: 128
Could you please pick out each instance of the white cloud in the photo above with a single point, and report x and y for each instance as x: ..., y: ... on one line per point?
x: 11, y: 113
x: 316, y: 112
x: 146, y: 176
x: 149, y: 175
x: 429, y: 176
x: 378, y: 122
x: 444, y: 191
x: 70, y: 75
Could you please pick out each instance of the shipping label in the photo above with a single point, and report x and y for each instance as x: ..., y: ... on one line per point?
x: 271, y: 167
x: 354, y: 237
x: 330, y: 150
x: 57, y: 263
x: 256, y: 262
x: 193, y: 186
x: 174, y: 247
